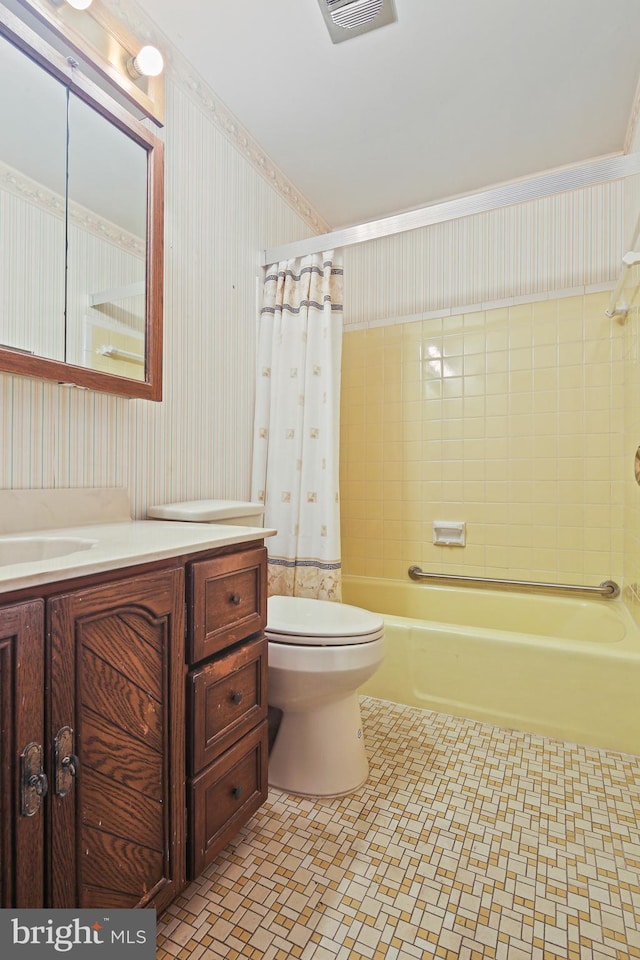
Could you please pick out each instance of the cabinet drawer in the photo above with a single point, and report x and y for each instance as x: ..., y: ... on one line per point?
x: 225, y: 795
x: 228, y: 601
x: 227, y: 698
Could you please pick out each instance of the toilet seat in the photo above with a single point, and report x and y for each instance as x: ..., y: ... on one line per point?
x: 306, y: 622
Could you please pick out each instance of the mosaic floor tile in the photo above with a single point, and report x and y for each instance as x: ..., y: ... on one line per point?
x: 468, y: 842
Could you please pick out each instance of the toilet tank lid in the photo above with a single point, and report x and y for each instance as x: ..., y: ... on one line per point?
x: 207, y: 511
x: 303, y: 617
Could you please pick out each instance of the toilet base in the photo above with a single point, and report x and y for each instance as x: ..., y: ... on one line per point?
x: 320, y: 752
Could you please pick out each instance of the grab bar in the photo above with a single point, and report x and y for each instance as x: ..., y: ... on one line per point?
x: 608, y: 590
x: 108, y: 350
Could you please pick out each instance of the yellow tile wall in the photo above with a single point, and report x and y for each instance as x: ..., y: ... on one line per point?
x: 510, y: 419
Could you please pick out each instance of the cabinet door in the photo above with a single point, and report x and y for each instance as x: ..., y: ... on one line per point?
x: 22, y: 755
x: 117, y: 701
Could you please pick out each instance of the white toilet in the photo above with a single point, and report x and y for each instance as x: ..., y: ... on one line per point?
x: 320, y: 652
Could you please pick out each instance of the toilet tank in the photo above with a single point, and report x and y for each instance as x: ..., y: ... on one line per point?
x: 240, y: 513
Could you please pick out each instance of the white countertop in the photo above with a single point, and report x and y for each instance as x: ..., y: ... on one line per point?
x: 120, y: 544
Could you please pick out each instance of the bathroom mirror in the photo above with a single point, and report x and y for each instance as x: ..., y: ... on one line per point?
x: 81, y: 223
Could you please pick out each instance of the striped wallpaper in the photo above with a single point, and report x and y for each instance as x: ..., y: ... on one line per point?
x: 197, y: 443
x: 557, y: 243
x: 31, y: 247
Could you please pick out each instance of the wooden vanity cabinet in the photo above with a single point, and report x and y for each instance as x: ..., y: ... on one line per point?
x: 226, y: 700
x: 94, y: 679
x: 105, y: 757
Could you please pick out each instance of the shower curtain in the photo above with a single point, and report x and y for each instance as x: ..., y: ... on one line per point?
x: 296, y: 429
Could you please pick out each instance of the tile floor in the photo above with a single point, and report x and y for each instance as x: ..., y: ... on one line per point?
x: 469, y: 841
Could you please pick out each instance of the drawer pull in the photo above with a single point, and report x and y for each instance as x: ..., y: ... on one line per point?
x: 235, y: 599
x: 237, y: 792
x: 236, y: 697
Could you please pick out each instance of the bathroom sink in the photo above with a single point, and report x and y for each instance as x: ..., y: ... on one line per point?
x: 27, y: 549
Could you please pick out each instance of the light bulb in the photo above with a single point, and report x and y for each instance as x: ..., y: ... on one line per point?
x: 79, y: 4
x: 148, y: 62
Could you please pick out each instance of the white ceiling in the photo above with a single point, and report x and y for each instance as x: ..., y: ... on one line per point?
x: 454, y: 97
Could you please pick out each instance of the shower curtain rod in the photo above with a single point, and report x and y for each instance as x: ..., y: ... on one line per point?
x: 521, y: 191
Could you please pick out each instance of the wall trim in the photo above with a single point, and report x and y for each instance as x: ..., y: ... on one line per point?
x: 580, y: 291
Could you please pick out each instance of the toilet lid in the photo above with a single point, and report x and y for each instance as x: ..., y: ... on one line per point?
x: 320, y: 622
x: 207, y: 511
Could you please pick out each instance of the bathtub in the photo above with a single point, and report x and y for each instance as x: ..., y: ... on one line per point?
x: 562, y: 667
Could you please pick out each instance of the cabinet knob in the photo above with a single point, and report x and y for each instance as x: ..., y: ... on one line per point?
x: 236, y: 697
x: 237, y: 792
x: 235, y: 599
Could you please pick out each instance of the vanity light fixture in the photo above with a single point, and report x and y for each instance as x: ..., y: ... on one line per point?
x: 102, y: 43
x: 147, y: 62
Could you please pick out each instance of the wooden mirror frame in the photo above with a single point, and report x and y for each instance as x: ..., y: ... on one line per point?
x: 28, y: 365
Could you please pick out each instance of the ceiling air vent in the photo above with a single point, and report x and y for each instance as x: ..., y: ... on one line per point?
x: 350, y: 18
